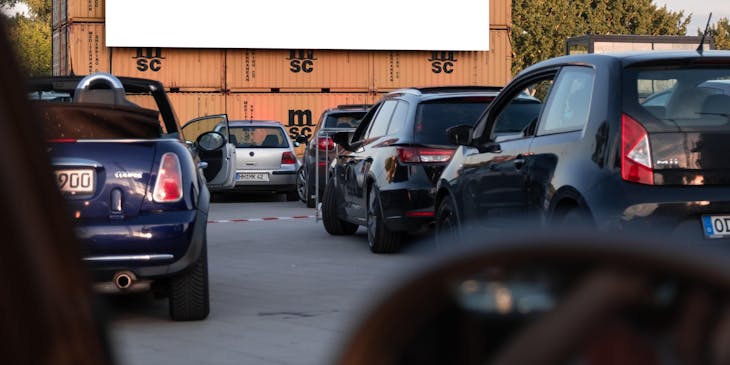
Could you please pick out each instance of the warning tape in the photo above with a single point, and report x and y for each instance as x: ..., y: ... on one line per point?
x: 241, y: 220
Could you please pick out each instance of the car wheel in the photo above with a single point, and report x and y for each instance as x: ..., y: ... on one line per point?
x: 332, y: 224
x: 189, y: 299
x: 573, y: 219
x: 302, y: 185
x: 311, y: 202
x: 380, y: 238
x: 448, y: 228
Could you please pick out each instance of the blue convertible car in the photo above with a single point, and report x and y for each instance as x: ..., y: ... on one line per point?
x: 136, y: 188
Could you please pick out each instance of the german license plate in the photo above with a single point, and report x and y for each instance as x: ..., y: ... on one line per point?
x: 716, y: 226
x: 252, y: 176
x: 78, y: 181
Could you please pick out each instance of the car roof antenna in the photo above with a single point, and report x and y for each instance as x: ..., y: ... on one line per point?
x: 701, y: 47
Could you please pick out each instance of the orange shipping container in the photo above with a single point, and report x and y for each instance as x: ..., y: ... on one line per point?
x: 71, y: 11
x: 398, y: 69
x: 178, y: 69
x: 500, y: 14
x: 298, y: 112
x: 80, y: 48
x: 312, y: 70
x: 187, y: 106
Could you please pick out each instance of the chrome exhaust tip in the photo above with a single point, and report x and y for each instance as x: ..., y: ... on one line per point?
x: 123, y: 280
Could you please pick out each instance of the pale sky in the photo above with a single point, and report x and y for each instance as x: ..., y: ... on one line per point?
x: 700, y: 10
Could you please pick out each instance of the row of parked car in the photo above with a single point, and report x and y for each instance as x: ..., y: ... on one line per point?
x: 616, y: 142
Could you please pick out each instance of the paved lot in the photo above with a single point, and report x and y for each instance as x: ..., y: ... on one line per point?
x: 282, y: 292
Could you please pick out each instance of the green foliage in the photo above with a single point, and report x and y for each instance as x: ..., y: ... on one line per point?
x: 720, y: 33
x: 540, y: 27
x: 31, y: 36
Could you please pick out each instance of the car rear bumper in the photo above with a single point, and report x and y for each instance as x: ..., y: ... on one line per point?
x: 151, y: 245
x: 410, y: 210
x: 279, y: 181
x: 670, y: 211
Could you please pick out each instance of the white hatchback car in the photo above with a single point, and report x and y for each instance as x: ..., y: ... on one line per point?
x: 265, y: 158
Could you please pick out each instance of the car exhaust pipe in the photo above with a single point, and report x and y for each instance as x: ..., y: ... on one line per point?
x: 123, y: 280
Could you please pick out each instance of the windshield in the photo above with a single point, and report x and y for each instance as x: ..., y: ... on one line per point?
x: 685, y: 99
x: 343, y: 120
x: 258, y: 137
x: 434, y: 118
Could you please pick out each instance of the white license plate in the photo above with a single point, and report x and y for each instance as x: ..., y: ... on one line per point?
x: 716, y: 226
x: 78, y: 181
x: 252, y: 176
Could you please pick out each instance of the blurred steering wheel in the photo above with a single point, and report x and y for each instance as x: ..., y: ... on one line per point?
x: 578, y: 299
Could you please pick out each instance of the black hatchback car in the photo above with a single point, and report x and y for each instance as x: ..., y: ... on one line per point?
x: 386, y: 175
x: 620, y: 142
x: 320, y: 149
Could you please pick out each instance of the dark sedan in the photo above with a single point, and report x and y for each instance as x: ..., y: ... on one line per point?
x: 385, y: 176
x: 617, y: 142
x: 320, y: 149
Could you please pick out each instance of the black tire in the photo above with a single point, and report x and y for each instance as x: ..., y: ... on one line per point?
x: 332, y: 224
x: 189, y: 299
x: 448, y: 227
x: 380, y: 238
x: 573, y: 219
x: 302, y: 185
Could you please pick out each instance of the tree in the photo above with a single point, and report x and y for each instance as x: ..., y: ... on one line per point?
x: 31, y: 35
x: 720, y: 33
x: 540, y: 27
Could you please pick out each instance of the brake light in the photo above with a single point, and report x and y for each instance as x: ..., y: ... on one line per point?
x: 424, y: 155
x: 287, y: 158
x: 325, y: 143
x: 168, y: 187
x: 636, y: 163
x: 62, y: 140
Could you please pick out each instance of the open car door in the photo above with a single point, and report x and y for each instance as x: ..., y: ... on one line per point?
x: 220, y: 170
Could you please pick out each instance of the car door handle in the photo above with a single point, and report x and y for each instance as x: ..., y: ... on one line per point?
x: 519, y: 162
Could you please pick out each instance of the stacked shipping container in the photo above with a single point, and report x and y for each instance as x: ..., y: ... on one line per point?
x: 291, y: 86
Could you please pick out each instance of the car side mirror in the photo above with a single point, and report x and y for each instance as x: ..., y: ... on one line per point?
x: 301, y: 139
x: 460, y: 135
x: 211, y: 141
x: 343, y: 139
x: 296, y: 144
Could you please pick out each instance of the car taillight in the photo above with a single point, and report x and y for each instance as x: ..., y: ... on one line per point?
x: 325, y: 143
x: 635, y: 152
x: 168, y: 187
x: 62, y: 140
x: 287, y: 158
x: 424, y: 155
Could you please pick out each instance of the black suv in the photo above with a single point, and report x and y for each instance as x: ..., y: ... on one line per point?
x: 620, y: 142
x: 387, y: 171
x: 320, y: 149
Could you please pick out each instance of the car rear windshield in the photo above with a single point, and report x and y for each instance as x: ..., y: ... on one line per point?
x: 258, y: 137
x: 679, y: 99
x: 433, y: 118
x: 343, y: 120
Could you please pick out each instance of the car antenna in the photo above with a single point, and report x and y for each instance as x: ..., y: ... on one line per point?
x: 701, y: 47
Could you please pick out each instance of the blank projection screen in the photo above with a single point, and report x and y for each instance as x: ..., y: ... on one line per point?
x: 453, y: 25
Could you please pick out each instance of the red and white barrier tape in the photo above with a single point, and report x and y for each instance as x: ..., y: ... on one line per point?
x: 242, y: 220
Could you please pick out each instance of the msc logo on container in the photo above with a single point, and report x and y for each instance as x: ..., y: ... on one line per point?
x: 442, y: 62
x: 301, y: 60
x: 149, y: 59
x: 300, y: 122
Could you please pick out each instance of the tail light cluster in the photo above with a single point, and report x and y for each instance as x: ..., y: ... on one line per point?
x: 287, y: 158
x: 325, y: 143
x: 424, y: 155
x: 636, y: 163
x: 168, y: 187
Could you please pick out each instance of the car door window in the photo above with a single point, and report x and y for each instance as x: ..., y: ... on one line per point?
x: 518, y: 117
x: 570, y: 102
x: 382, y: 119
x: 399, y: 118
